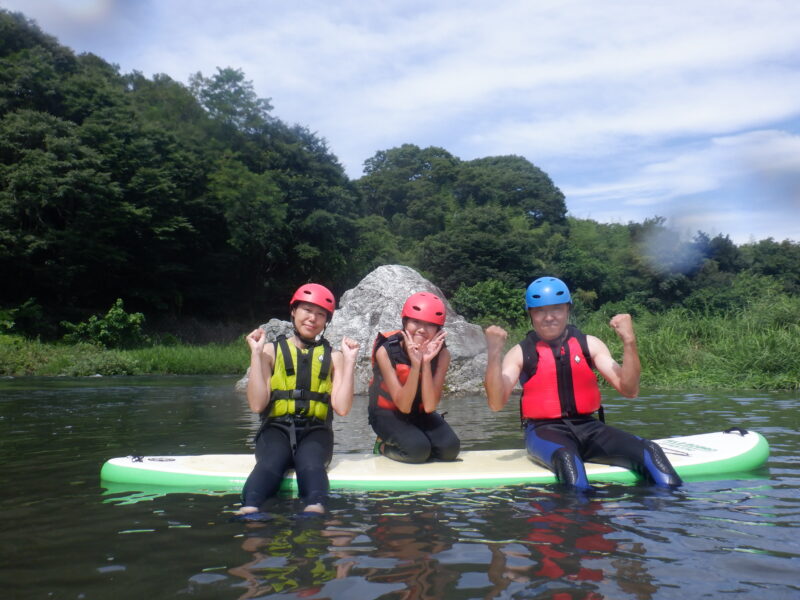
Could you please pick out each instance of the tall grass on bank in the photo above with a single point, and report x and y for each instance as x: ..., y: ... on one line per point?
x: 20, y: 357
x: 208, y: 359
x: 753, y: 348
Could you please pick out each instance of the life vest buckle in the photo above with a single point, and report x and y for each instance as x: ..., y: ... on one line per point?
x: 299, y: 395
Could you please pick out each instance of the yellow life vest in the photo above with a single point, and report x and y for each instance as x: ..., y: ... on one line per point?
x: 301, y: 381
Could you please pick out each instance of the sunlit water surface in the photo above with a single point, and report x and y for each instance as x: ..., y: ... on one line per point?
x: 65, y: 536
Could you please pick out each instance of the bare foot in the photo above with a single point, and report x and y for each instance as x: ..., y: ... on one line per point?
x: 246, y: 510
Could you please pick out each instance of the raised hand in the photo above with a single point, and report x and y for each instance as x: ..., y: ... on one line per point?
x: 623, y: 325
x: 256, y: 339
x: 413, y: 349
x: 350, y: 348
x: 495, y: 338
x: 430, y: 348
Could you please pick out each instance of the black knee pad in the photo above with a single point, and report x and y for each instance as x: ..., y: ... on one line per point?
x: 661, y: 470
x: 564, y: 467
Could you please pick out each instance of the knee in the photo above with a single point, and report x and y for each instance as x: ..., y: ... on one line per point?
x: 658, y: 466
x: 568, y: 471
x: 418, y: 453
x: 408, y: 451
x: 450, y: 450
x: 564, y: 467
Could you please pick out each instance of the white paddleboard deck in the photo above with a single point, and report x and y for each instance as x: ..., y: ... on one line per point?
x: 695, y: 457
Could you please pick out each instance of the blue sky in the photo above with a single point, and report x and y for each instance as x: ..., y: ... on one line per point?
x: 686, y: 110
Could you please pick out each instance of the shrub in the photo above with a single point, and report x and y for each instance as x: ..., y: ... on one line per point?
x: 117, y: 329
x: 491, y: 302
x: 6, y: 320
x: 101, y: 363
x: 28, y: 319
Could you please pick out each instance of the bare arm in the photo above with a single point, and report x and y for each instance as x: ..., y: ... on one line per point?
x: 625, y: 377
x: 402, y: 394
x: 262, y: 359
x: 433, y: 383
x: 501, y: 373
x: 344, y: 366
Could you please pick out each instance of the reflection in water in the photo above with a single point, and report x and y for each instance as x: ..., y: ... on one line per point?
x: 394, y: 555
x: 411, y: 541
x: 424, y: 548
x: 291, y: 557
x: 572, y: 540
x: 554, y: 548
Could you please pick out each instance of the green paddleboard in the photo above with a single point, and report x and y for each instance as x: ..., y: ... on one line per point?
x: 718, y: 455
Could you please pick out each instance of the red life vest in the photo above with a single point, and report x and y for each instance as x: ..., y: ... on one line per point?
x: 558, y: 381
x: 379, y: 395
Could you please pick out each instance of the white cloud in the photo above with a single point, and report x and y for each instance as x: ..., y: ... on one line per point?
x: 741, y: 184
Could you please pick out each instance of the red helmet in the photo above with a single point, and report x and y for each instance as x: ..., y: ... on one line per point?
x: 425, y: 307
x: 317, y: 294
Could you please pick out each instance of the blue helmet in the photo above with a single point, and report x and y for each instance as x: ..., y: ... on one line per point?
x: 546, y: 291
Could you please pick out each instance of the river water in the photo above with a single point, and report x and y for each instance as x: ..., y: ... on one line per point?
x: 64, y: 536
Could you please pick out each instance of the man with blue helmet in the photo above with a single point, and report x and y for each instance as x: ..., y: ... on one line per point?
x: 555, y: 365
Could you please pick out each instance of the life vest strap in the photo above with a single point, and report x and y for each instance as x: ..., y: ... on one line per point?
x: 288, y: 365
x: 290, y: 425
x: 301, y: 409
x: 325, y: 367
x: 300, y: 395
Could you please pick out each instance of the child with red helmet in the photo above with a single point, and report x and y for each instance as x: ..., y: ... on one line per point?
x: 408, y: 372
x: 293, y: 384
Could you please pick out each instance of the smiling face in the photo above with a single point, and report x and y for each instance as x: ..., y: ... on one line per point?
x: 420, y: 331
x: 549, y: 322
x: 309, y: 319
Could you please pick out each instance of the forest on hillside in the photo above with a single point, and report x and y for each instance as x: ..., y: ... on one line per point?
x: 195, y: 200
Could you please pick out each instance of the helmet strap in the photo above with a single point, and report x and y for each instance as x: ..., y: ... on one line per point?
x: 308, y: 343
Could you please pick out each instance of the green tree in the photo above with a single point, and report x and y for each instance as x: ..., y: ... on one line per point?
x: 720, y: 249
x: 491, y: 302
x: 780, y: 260
x: 601, y: 260
x: 255, y: 218
x: 60, y: 212
x: 377, y: 244
x: 511, y: 181
x: 32, y: 64
x: 480, y: 243
x: 395, y: 178
x: 29, y: 80
x: 230, y: 99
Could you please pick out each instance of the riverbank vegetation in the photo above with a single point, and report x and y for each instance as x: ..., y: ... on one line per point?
x: 754, y: 346
x: 23, y: 357
x: 195, y: 202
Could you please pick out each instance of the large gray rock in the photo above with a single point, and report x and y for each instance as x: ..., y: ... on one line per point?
x: 375, y: 304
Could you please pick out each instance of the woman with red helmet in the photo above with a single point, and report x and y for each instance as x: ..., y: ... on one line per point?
x: 408, y: 371
x: 293, y: 384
